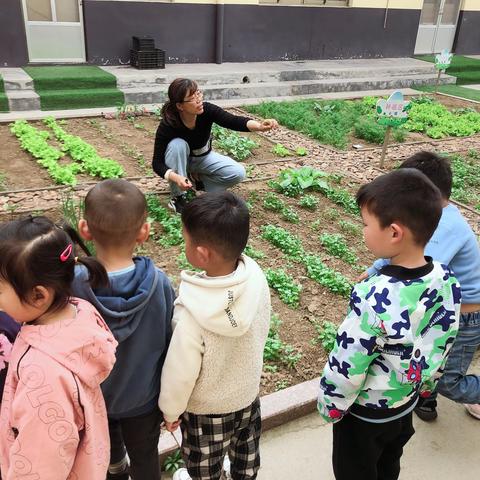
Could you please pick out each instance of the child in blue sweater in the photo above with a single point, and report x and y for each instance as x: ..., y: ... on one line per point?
x: 454, y: 244
x: 137, y: 307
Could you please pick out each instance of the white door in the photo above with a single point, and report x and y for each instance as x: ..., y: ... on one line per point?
x: 438, y: 24
x: 54, y: 30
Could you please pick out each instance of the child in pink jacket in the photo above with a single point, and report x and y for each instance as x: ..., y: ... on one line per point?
x: 53, y: 423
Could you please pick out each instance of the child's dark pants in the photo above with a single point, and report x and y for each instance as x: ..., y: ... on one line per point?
x: 369, y: 451
x: 139, y: 437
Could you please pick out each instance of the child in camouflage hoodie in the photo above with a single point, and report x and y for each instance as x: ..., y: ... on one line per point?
x: 393, y: 344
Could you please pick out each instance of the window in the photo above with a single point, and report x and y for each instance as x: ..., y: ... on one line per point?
x: 52, y: 10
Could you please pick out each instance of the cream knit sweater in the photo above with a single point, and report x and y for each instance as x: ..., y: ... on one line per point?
x: 215, y: 358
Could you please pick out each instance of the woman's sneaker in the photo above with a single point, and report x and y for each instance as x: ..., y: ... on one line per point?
x: 473, y: 409
x: 177, y: 204
x: 181, y: 474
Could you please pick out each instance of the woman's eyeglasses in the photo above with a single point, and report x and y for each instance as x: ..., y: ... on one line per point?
x: 195, y: 96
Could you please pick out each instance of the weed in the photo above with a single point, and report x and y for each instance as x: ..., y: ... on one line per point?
x: 335, y: 245
x: 320, y: 273
x: 171, y: 223
x: 270, y: 368
x: 254, y: 253
x: 315, y: 225
x: 350, y: 228
x: 173, y: 462
x: 287, y: 289
x: 280, y: 151
x: 301, y: 151
x: 281, y: 385
x: 326, y: 335
x: 310, y: 202
x: 3, y: 181
x: 331, y: 214
x: 288, y: 243
x: 290, y: 215
x: 273, y: 202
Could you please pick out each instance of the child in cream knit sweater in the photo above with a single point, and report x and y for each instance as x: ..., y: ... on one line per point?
x: 211, y: 375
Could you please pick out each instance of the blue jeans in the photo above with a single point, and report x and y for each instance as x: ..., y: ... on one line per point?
x: 455, y: 384
x: 217, y: 172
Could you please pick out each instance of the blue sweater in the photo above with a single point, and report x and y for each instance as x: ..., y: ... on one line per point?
x: 137, y: 307
x: 454, y: 244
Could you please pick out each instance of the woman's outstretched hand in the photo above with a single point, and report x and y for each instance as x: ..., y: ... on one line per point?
x: 263, y: 126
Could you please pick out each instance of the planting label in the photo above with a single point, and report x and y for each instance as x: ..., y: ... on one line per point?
x: 443, y: 59
x: 393, y: 112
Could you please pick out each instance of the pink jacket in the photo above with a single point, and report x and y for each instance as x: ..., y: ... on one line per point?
x: 53, y: 422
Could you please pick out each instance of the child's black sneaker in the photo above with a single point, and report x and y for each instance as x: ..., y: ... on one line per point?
x: 177, y: 204
x: 426, y: 411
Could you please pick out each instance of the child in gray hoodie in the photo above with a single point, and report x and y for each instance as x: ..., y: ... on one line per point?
x: 137, y: 306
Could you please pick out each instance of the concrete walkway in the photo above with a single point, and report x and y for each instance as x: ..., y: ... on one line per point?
x: 446, y: 449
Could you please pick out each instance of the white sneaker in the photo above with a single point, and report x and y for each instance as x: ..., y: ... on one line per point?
x: 181, y: 474
x: 473, y: 409
x: 226, y: 468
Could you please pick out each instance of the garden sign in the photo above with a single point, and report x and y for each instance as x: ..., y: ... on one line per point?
x: 391, y: 113
x: 442, y: 62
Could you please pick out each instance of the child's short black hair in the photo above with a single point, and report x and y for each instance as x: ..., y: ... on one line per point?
x: 435, y: 167
x: 406, y: 196
x: 220, y: 220
x: 115, y: 210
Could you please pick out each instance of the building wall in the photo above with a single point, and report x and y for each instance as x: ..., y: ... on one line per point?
x: 252, y: 32
x: 467, y: 40
x: 13, y: 42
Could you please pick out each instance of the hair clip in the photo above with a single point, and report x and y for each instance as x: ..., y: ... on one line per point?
x: 66, y: 253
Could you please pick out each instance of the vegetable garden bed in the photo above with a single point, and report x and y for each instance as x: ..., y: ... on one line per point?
x: 343, y: 123
x: 306, y: 232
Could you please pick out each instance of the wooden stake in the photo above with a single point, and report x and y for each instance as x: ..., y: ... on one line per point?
x: 385, y: 144
x: 438, y: 80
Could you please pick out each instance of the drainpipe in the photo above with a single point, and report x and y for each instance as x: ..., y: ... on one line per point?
x: 386, y: 15
x: 220, y: 10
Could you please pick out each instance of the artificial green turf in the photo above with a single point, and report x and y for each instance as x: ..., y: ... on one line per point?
x: 455, y: 90
x: 84, y: 98
x: 70, y: 87
x: 467, y: 70
x: 3, y: 98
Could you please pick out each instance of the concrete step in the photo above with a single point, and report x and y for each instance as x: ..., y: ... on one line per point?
x: 16, y: 79
x: 158, y: 94
x: 248, y: 73
x: 23, y: 100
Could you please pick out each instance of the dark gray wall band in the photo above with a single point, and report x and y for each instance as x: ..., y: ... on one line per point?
x: 254, y: 33
x: 13, y: 41
x: 187, y: 32
x: 467, y: 40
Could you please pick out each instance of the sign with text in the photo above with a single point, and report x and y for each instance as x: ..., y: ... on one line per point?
x: 394, y: 111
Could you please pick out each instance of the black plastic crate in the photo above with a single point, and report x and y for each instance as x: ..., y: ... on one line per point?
x: 143, y: 59
x: 143, y: 43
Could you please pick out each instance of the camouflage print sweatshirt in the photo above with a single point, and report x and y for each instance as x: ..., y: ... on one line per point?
x: 393, y: 344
